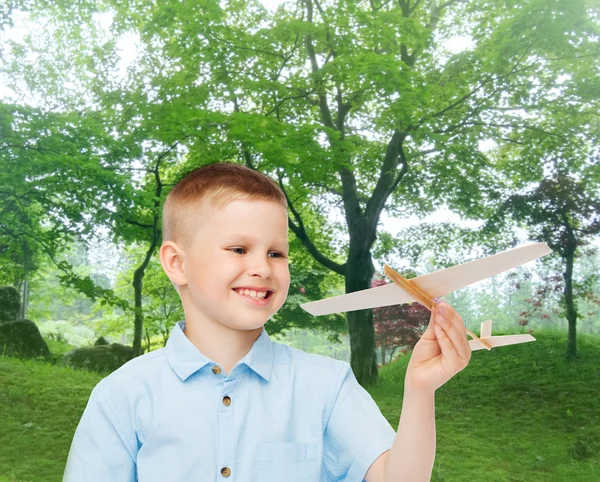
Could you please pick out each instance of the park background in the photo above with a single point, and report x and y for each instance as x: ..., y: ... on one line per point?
x: 415, y: 133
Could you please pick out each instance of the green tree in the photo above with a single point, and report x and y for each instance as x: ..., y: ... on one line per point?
x: 46, y: 198
x: 565, y: 213
x: 354, y: 105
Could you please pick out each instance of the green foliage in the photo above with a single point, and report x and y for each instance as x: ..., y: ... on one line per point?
x: 357, y: 107
x: 313, y: 341
x: 100, y: 358
x: 440, y: 245
x: 515, y: 413
x: 63, y: 331
x: 562, y: 211
x: 42, y: 404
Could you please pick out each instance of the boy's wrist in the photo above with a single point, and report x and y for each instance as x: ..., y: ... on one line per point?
x: 413, y: 390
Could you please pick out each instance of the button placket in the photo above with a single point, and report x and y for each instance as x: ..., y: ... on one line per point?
x: 226, y: 427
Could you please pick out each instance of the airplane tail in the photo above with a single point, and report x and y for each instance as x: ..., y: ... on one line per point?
x: 495, y: 341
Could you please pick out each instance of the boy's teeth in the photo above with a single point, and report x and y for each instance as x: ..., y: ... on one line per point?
x: 253, y: 294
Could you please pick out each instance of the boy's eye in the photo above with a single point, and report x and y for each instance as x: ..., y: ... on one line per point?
x: 279, y: 255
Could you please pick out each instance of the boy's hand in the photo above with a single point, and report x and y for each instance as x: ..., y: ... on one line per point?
x: 442, y: 351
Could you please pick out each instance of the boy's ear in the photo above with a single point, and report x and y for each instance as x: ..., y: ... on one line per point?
x: 171, y: 259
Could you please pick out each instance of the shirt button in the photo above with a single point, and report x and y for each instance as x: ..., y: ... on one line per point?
x: 227, y: 401
x: 216, y: 370
x: 225, y: 472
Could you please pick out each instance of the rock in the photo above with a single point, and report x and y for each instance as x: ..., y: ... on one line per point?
x: 10, y: 304
x: 101, y: 341
x: 102, y: 358
x: 21, y: 338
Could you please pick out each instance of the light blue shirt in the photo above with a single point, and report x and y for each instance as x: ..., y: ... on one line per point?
x: 291, y: 416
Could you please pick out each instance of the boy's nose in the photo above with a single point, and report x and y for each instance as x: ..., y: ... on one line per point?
x: 260, y: 266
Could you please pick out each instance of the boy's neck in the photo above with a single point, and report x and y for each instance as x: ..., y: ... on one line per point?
x: 221, y: 344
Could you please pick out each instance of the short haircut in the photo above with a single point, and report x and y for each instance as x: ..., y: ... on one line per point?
x: 209, y: 188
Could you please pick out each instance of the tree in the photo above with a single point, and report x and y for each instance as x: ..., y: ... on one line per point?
x: 564, y: 212
x: 356, y: 102
x: 398, y: 326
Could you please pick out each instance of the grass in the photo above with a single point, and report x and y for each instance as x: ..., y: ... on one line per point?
x: 518, y: 413
x: 40, y: 406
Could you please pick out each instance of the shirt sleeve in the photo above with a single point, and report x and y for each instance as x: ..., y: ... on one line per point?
x: 103, y: 447
x: 356, y: 434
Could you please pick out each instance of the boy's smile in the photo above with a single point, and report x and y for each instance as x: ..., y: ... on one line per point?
x: 255, y: 295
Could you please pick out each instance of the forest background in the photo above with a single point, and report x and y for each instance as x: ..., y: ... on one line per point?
x: 362, y: 112
x: 416, y: 133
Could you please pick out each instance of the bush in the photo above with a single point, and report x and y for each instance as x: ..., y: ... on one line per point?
x: 63, y: 331
x: 102, y: 358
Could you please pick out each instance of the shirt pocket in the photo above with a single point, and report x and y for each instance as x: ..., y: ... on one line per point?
x: 287, y: 461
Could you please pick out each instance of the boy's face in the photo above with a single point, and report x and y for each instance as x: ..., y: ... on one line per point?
x: 244, y: 244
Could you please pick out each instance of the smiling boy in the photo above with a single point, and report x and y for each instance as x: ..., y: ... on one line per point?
x: 222, y: 401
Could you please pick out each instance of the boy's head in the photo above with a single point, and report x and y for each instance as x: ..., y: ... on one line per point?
x: 225, y: 227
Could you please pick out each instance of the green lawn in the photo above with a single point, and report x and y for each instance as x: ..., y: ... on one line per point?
x: 519, y: 413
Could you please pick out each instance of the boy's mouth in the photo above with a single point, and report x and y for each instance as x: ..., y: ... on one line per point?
x: 259, y: 298
x: 241, y: 292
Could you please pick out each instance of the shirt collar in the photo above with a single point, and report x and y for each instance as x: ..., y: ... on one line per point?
x: 185, y: 359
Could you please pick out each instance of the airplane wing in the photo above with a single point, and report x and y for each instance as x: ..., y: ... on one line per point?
x: 437, y: 284
x: 501, y: 340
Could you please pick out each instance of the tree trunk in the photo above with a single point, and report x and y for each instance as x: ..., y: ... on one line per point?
x: 392, y: 353
x: 383, y: 352
x: 147, y: 341
x: 25, y: 300
x: 363, y: 359
x: 571, y: 308
x: 138, y: 276
x: 138, y: 323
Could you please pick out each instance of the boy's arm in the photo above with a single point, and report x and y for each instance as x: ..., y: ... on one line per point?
x: 442, y: 351
x: 412, y: 454
x: 103, y: 446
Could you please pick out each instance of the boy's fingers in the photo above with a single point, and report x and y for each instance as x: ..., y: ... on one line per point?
x: 446, y: 345
x: 454, y: 327
x: 461, y: 341
x: 429, y: 333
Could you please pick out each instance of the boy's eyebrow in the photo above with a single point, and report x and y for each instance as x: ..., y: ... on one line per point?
x: 250, y: 238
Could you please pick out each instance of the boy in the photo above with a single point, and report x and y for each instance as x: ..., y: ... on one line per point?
x: 221, y: 401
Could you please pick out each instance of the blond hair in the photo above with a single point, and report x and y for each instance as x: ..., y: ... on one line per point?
x: 209, y: 188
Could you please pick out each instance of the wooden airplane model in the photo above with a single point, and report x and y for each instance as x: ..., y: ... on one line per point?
x: 426, y: 288
x: 485, y: 335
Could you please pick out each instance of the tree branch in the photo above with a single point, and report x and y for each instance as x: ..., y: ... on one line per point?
x: 469, y: 94
x: 389, y: 178
x: 342, y: 111
x: 280, y: 103
x: 310, y: 49
x: 141, y: 225
x: 41, y: 150
x: 376, y: 9
x: 414, y: 7
x: 302, y: 235
x: 407, y: 11
x: 327, y: 188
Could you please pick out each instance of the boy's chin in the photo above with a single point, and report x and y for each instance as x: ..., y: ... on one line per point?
x: 247, y: 325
